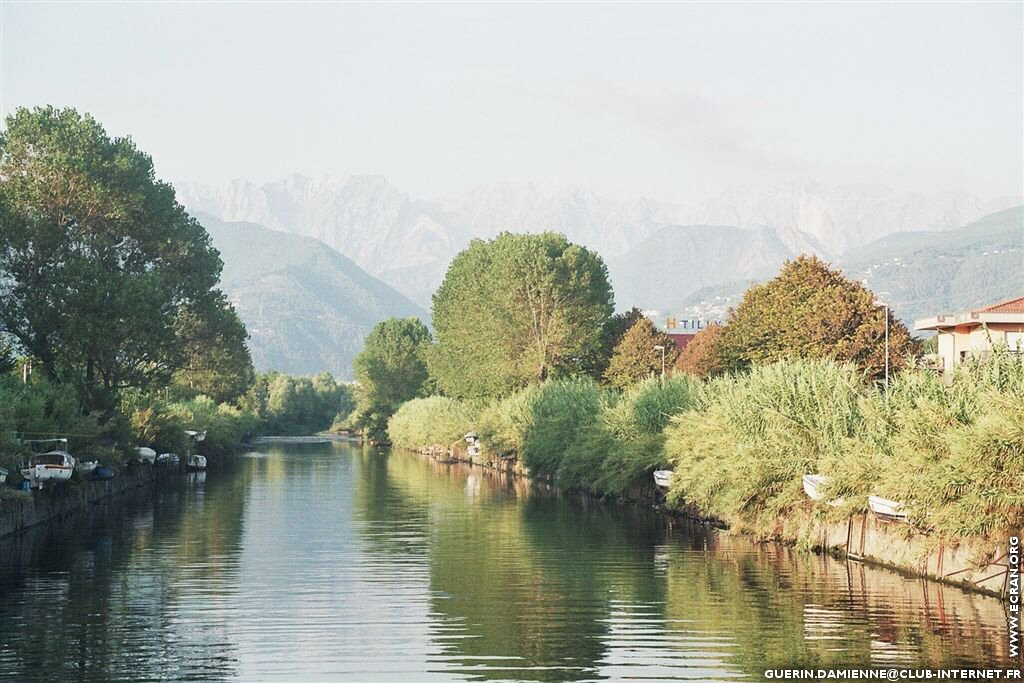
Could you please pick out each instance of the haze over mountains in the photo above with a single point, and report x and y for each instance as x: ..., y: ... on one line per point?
x: 408, y: 243
x: 313, y: 263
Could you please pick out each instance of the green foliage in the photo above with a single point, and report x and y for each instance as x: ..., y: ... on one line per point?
x: 434, y: 421
x: 635, y: 356
x: 217, y: 362
x: 741, y: 452
x: 626, y: 443
x: 226, y: 426
x: 298, y: 405
x: 811, y: 311
x: 516, y: 310
x: 563, y: 411
x: 612, y: 331
x: 703, y: 356
x: 390, y: 370
x: 98, y: 260
x: 504, y: 423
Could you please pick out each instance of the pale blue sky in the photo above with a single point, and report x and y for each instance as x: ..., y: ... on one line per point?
x: 675, y: 101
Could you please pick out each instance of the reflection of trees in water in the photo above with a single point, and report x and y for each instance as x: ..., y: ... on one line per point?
x: 520, y: 579
x: 775, y: 608
x: 96, y: 597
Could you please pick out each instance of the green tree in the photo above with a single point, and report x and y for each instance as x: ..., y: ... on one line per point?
x: 811, y: 311
x: 612, y: 332
x: 390, y: 370
x: 635, y: 356
x: 97, y: 257
x: 217, y: 361
x: 516, y: 310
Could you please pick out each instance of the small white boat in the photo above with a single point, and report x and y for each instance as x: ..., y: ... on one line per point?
x: 3, y: 475
x: 86, y: 466
x: 168, y: 460
x: 50, y: 461
x: 814, y: 485
x: 662, y: 478
x: 196, y: 436
x: 196, y: 463
x: 888, y: 509
x: 145, y: 454
x: 471, y: 437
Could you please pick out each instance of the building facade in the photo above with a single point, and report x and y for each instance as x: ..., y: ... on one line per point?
x: 976, y: 331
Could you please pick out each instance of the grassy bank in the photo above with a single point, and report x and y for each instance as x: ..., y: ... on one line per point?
x: 953, y: 453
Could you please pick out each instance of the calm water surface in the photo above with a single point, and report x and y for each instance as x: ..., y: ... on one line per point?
x: 335, y: 562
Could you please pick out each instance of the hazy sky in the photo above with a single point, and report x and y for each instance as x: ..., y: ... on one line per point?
x: 675, y: 101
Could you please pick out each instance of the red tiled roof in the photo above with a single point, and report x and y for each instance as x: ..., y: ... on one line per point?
x: 1011, y: 306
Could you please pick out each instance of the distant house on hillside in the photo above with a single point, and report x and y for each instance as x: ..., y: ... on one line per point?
x: 976, y: 331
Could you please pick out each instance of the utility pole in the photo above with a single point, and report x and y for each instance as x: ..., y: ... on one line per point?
x: 661, y: 347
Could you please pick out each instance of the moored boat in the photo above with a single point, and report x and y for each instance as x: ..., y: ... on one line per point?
x: 145, y: 454
x: 814, y: 486
x: 86, y: 466
x: 103, y: 472
x: 662, y: 478
x: 168, y: 460
x: 891, y: 510
x: 49, y: 462
x: 3, y: 475
x: 196, y: 463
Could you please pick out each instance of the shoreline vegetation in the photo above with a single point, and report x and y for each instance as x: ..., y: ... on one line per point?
x: 114, y: 333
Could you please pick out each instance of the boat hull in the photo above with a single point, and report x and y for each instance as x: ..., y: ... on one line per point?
x: 888, y: 509
x: 663, y: 478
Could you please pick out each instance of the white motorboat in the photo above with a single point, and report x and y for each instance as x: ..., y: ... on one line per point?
x: 888, y: 509
x: 814, y: 486
x: 50, y: 461
x: 168, y: 460
x: 662, y: 478
x: 145, y: 454
x: 3, y: 475
x: 196, y: 463
x: 196, y: 436
x: 86, y: 466
x: 471, y: 437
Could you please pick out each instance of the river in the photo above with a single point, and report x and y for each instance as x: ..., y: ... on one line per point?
x: 339, y: 562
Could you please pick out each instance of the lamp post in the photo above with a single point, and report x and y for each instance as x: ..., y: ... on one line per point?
x: 661, y: 347
x: 884, y: 305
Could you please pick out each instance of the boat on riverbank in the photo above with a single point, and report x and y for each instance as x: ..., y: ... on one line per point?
x: 49, y: 462
x: 662, y: 478
x: 814, y: 486
x: 3, y: 475
x: 168, y: 460
x: 196, y: 463
x: 84, y: 467
x: 145, y: 454
x: 889, y: 510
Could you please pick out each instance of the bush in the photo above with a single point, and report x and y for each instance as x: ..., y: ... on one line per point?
x: 740, y: 455
x: 503, y: 424
x: 428, y: 422
x: 562, y: 411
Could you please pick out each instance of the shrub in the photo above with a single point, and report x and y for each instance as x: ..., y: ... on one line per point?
x: 431, y: 421
x: 562, y: 411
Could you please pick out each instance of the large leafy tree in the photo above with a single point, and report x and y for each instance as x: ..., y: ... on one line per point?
x: 97, y: 259
x: 635, y: 356
x: 216, y: 359
x: 612, y: 332
x: 391, y: 369
x: 515, y: 310
x: 811, y: 311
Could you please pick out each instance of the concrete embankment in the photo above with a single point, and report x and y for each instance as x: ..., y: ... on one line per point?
x: 23, y: 510
x: 971, y: 563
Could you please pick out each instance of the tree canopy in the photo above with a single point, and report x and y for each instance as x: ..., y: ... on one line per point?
x: 702, y: 357
x: 391, y: 369
x: 635, y: 357
x: 811, y: 311
x: 516, y: 310
x: 97, y: 259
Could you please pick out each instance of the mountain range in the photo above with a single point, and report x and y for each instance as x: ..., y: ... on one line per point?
x: 307, y: 308
x: 408, y: 242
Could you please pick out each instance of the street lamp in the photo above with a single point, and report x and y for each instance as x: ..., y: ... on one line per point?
x: 661, y: 347
x: 884, y: 305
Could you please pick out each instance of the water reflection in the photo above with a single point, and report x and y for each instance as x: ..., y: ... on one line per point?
x: 346, y: 563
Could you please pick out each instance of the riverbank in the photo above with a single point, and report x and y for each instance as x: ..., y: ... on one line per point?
x: 975, y: 565
x: 21, y: 510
